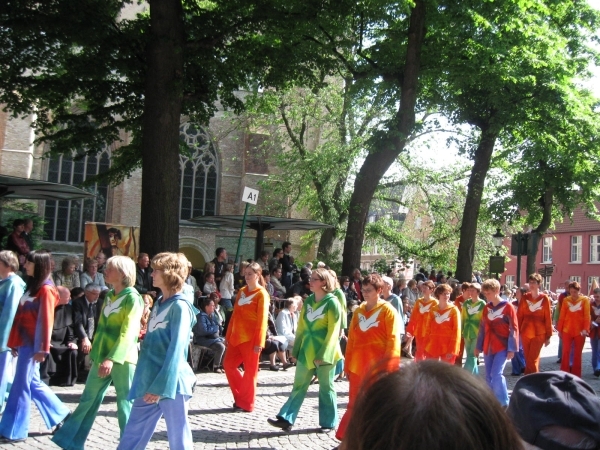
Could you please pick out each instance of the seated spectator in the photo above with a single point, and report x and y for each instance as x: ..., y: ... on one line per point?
x: 430, y: 405
x: 274, y: 262
x: 263, y: 260
x: 275, y: 346
x: 287, y: 320
x: 207, y: 333
x: 221, y: 315
x: 77, y: 293
x: 86, y: 315
x: 210, y: 285
x: 61, y: 364
x: 268, y: 285
x: 279, y: 290
x: 348, y: 289
x: 555, y: 411
x: 91, y: 274
x: 238, y: 278
x: 16, y: 243
x: 67, y: 276
x: 300, y: 288
x: 148, y: 303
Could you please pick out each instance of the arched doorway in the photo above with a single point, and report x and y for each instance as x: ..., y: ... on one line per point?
x: 194, y: 256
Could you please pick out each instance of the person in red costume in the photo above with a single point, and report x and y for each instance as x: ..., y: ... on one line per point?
x: 443, y: 342
x: 418, y: 325
x: 573, y: 326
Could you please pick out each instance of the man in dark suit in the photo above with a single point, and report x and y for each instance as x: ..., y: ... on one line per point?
x: 143, y: 278
x: 286, y: 265
x: 86, y: 313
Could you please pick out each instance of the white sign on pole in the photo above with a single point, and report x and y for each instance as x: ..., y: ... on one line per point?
x: 250, y: 195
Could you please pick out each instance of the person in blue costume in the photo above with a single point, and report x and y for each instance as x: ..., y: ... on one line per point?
x: 163, y: 382
x: 12, y: 288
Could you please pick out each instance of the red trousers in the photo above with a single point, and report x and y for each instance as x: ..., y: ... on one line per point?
x: 575, y: 369
x: 459, y: 357
x: 355, y: 383
x: 532, y: 346
x: 444, y: 358
x: 420, y: 352
x: 242, y: 384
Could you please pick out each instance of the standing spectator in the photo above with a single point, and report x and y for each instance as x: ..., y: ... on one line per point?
x: 164, y: 381
x: 422, y: 275
x: 395, y: 301
x: 263, y: 260
x: 245, y: 338
x: 91, y: 274
x: 471, y: 314
x: 498, y: 338
x: 101, y: 258
x: 30, y: 335
x: 275, y: 281
x: 373, y: 337
x: 68, y: 275
x: 191, y: 281
x: 114, y: 354
x: 86, y: 315
x: 574, y: 326
x: 317, y: 350
x: 227, y: 287
x: 356, y: 282
x: 210, y: 285
x: 274, y: 262
x: 287, y: 265
x: 143, y: 276
x: 220, y: 261
x: 17, y: 244
x: 411, y: 293
x: 535, y: 323
x: 595, y: 331
x: 12, y: 288
x: 348, y: 290
x: 27, y: 229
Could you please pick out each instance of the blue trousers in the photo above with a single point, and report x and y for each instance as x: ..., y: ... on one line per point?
x: 518, y: 362
x: 144, y: 417
x: 6, y: 377
x: 328, y: 414
x: 595, y: 352
x: 26, y: 387
x: 494, y: 368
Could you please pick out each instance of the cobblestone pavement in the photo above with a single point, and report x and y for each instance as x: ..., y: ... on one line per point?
x: 215, y: 425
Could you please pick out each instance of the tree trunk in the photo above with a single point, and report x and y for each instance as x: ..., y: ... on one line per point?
x: 160, y: 129
x: 383, y: 155
x: 547, y: 202
x: 326, y: 243
x: 468, y: 228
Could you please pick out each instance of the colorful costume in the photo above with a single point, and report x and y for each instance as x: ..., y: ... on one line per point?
x: 163, y: 370
x: 471, y: 314
x: 317, y: 338
x: 498, y: 335
x: 372, y: 338
x: 458, y: 302
x: 419, y: 323
x: 339, y: 294
x: 574, y: 319
x: 247, y: 329
x: 535, y: 328
x: 11, y: 290
x: 31, y: 334
x: 444, y: 334
x: 116, y: 340
x: 595, y: 336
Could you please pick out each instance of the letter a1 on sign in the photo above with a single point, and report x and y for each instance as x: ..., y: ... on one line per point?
x: 250, y: 195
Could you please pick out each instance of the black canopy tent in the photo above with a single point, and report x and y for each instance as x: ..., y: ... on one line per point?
x: 25, y: 188
x: 260, y: 224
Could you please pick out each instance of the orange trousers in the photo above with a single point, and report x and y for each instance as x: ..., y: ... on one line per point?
x: 355, y: 383
x: 420, y: 351
x: 459, y: 357
x: 575, y: 369
x: 532, y: 347
x: 242, y: 384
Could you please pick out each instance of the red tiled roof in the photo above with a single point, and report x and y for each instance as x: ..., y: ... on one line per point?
x: 579, y: 222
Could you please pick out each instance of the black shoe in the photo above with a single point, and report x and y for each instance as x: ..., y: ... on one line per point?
x: 558, y: 361
x: 280, y: 423
x: 60, y: 424
x: 5, y: 440
x: 597, y: 373
x: 274, y: 368
x: 326, y: 429
x: 287, y: 366
x: 237, y: 408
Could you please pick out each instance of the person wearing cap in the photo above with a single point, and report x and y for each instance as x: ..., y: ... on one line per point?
x: 443, y: 342
x: 594, y: 331
x: 373, y: 339
x: 573, y: 326
x: 535, y: 323
x: 471, y: 313
x: 555, y: 411
x: 418, y: 326
x: 498, y: 338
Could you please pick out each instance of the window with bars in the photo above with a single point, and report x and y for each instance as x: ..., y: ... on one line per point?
x: 547, y: 250
x: 575, y: 249
x: 595, y: 248
x: 546, y: 283
x: 510, y: 281
x: 198, y: 171
x: 575, y: 278
x: 65, y: 219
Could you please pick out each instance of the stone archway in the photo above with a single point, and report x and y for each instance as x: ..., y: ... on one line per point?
x: 195, y: 250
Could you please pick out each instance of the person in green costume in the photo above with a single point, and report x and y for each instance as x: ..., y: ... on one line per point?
x: 114, y: 354
x: 317, y: 350
x: 472, y: 310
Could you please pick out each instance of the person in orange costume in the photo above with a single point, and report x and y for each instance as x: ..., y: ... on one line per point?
x: 372, y: 337
x: 535, y: 323
x: 573, y: 326
x: 443, y: 342
x: 458, y: 302
x: 418, y: 324
x: 245, y: 338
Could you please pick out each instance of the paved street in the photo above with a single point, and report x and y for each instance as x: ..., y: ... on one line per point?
x: 216, y: 426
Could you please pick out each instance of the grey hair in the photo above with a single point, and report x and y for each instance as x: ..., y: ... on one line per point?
x: 92, y: 287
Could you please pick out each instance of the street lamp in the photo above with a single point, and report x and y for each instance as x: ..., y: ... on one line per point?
x: 497, y: 262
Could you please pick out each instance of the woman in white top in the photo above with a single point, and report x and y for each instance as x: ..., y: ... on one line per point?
x: 91, y: 274
x: 226, y: 287
x: 287, y: 320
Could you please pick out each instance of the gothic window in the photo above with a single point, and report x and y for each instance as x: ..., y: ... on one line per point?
x: 65, y: 219
x: 198, y: 172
